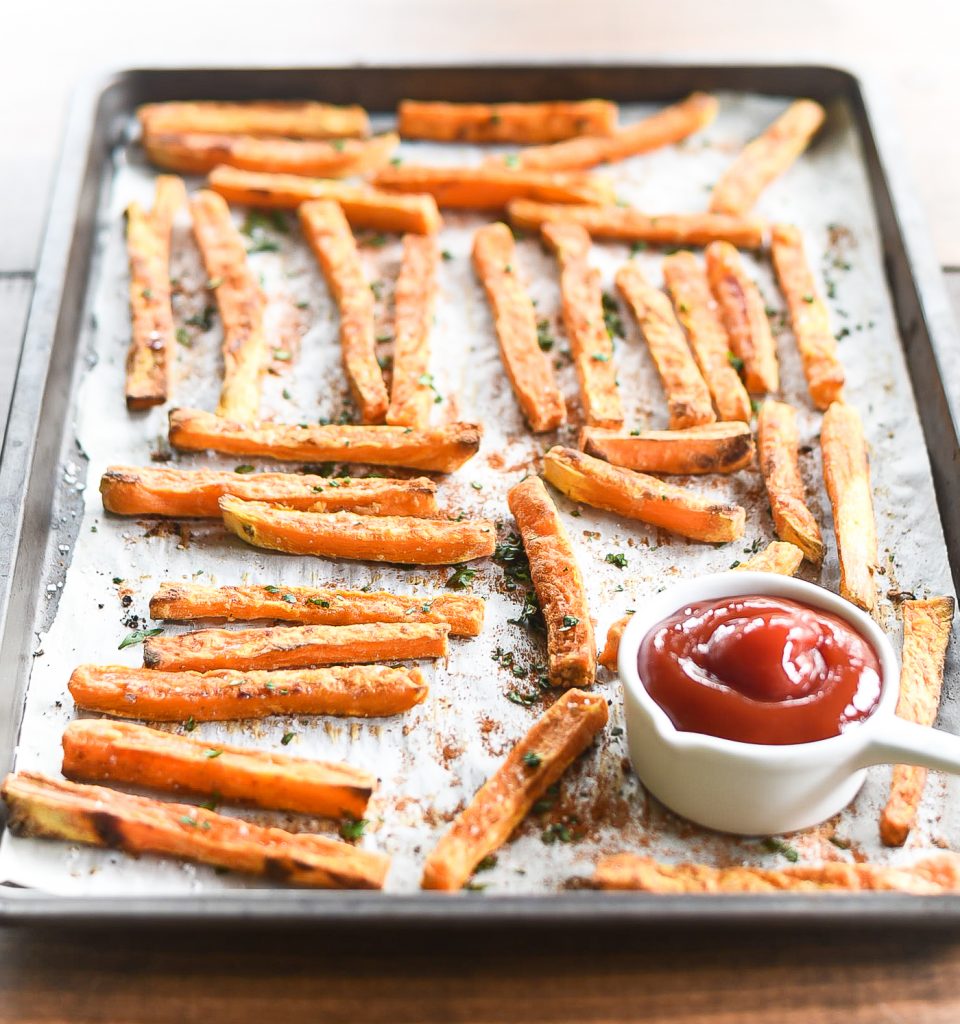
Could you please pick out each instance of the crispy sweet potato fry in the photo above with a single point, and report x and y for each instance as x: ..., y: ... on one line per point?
x: 364, y: 207
x: 778, y: 444
x: 273, y: 647
x: 556, y: 577
x: 95, y: 816
x: 529, y: 369
x: 505, y: 799
x: 687, y: 394
x: 404, y: 540
x: 505, y: 122
x: 711, y: 448
x: 411, y: 394
x: 625, y: 224
x: 808, y: 317
x: 696, y: 310
x: 926, y: 633
x: 441, y: 450
x: 642, y: 497
x: 315, y: 606
x: 96, y: 750
x: 333, y: 244
x: 590, y: 343
x: 745, y: 317
x: 611, y: 646
x: 766, y: 158
x: 153, y: 341
x: 357, y: 691
x: 296, y: 119
x: 241, y: 303
x: 846, y: 472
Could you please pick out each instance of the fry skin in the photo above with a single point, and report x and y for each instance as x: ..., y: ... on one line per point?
x: 559, y: 736
x: 926, y: 633
x: 529, y: 369
x: 95, y: 816
x: 590, y: 344
x: 636, y: 496
x: 711, y: 448
x: 296, y: 119
x: 329, y: 235
x: 766, y: 158
x: 556, y: 577
x: 778, y: 443
x: 102, y: 751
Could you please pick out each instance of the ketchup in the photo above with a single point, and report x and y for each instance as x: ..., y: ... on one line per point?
x: 760, y: 670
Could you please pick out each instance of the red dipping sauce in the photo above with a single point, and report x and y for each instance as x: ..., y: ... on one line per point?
x: 760, y: 670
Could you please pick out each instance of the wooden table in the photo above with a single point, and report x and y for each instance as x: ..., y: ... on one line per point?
x: 876, y: 977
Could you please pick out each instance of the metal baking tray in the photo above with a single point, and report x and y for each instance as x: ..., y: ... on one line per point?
x: 40, y: 512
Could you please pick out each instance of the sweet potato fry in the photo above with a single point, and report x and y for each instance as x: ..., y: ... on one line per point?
x: 766, y: 158
x: 160, y: 491
x: 441, y: 450
x: 590, y: 343
x: 846, y: 472
x: 779, y: 557
x: 523, y: 123
x: 625, y: 224
x: 153, y: 341
x: 505, y: 799
x: 403, y: 540
x: 333, y: 245
x: 611, y: 646
x: 778, y: 443
x: 529, y: 369
x: 687, y: 394
x: 241, y: 303
x: 96, y: 750
x: 315, y: 606
x: 926, y: 633
x: 744, y: 315
x: 411, y: 394
x: 808, y: 317
x: 95, y: 816
x: 364, y: 207
x: 696, y: 310
x: 556, y: 577
x: 296, y: 119
x: 712, y: 448
x: 642, y: 497
x: 356, y: 691
x: 273, y: 647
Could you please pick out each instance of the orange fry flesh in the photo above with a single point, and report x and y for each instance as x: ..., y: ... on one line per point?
x: 296, y: 119
x: 711, y: 448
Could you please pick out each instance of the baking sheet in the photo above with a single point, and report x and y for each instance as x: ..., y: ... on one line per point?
x: 433, y: 758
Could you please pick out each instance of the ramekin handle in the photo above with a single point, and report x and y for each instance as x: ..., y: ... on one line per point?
x: 901, y: 742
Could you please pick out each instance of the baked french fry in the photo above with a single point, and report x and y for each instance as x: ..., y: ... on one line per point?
x: 779, y: 556
x: 637, y: 496
x: 687, y: 394
x: 808, y: 317
x: 296, y: 119
x: 846, y: 472
x: 295, y: 646
x: 506, y: 798
x: 441, y: 449
x: 744, y: 315
x: 529, y: 369
x: 241, y: 303
x: 364, y: 207
x: 96, y: 750
x: 590, y: 343
x: 926, y: 633
x: 625, y: 224
x: 523, y: 123
x: 711, y: 448
x: 403, y: 540
x: 153, y: 340
x: 556, y: 578
x: 766, y: 158
x: 611, y: 646
x: 355, y: 691
x: 778, y: 443
x: 329, y: 235
x: 95, y: 816
x: 411, y: 394
x: 315, y: 606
